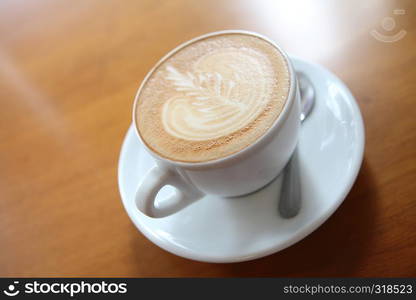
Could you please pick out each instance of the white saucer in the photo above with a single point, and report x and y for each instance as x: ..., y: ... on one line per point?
x: 216, y: 229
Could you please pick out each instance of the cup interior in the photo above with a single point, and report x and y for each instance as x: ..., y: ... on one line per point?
x: 246, y: 150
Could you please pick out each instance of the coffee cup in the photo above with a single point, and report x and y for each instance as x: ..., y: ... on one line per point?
x: 219, y: 114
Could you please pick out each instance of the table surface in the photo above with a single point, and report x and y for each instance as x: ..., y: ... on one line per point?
x: 69, y: 71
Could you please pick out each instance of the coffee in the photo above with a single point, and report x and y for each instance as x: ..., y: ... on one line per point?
x: 212, y: 98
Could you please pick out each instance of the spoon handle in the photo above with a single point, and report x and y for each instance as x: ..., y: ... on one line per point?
x: 290, y: 195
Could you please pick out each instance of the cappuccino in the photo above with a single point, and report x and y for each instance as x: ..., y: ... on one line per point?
x: 212, y: 98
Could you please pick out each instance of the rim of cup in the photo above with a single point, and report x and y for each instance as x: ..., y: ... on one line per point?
x: 263, y: 139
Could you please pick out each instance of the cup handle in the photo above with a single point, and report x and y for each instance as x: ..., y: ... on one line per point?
x: 154, y: 181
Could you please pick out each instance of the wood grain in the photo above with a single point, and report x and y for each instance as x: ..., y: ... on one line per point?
x: 68, y: 73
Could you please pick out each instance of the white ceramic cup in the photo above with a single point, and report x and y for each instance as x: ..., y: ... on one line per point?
x: 237, y: 174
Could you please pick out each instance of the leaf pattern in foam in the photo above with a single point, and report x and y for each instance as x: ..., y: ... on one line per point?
x: 204, y: 86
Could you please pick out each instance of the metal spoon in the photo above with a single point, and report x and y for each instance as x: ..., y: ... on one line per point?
x: 290, y: 194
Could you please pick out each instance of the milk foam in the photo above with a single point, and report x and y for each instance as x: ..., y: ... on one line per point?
x: 224, y: 91
x: 212, y: 98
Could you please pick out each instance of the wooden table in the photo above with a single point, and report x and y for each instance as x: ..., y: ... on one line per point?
x: 68, y: 73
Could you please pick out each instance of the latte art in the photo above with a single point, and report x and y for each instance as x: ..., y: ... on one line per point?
x: 224, y: 92
x: 212, y: 97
